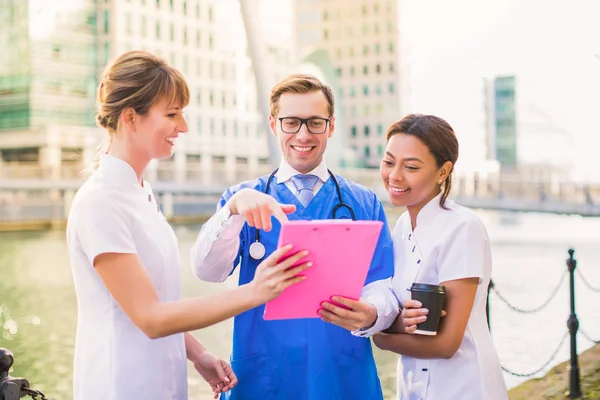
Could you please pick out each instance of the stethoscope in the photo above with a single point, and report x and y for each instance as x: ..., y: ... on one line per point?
x: 257, y: 249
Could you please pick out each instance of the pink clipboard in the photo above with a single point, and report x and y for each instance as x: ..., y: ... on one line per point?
x: 341, y: 252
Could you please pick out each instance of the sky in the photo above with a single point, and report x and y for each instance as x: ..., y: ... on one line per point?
x: 552, y: 47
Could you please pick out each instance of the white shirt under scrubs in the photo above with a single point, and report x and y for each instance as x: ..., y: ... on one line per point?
x: 448, y: 245
x: 114, y: 359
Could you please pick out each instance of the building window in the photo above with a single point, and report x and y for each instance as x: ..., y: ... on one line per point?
x: 351, y: 71
x: 325, y: 15
x: 198, y: 38
x: 157, y: 4
x: 378, y: 68
x: 365, y: 70
x: 199, y: 97
x: 365, y: 30
x: 367, y: 152
x: 185, y: 41
x: 184, y: 7
x: 391, y: 67
x: 325, y: 34
x: 366, y: 130
x: 366, y: 110
x: 376, y: 8
x: 391, y: 47
x: 106, y: 22
x: 197, y: 10
x: 365, y: 49
x: 351, y: 52
x: 212, y: 98
x: 379, y: 131
x: 353, y: 131
x: 172, y: 32
x: 351, y: 91
x: 199, y: 125
x: 210, y: 14
x: 198, y: 68
x: 391, y: 88
x: 380, y: 150
x: 338, y: 71
x: 158, y: 30
x: 377, y: 48
x: 366, y: 90
x: 364, y: 10
x: 377, y: 88
x: 171, y: 6
x: 210, y: 41
x: 143, y: 26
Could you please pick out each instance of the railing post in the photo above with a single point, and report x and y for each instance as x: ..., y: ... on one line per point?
x: 10, y: 388
x: 573, y: 325
x: 487, y: 304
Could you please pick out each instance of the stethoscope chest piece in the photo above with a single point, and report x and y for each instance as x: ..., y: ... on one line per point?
x: 257, y: 250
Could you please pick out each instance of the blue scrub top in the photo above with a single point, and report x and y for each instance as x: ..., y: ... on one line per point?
x: 305, y: 359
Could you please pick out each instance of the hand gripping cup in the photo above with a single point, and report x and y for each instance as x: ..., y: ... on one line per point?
x: 432, y: 298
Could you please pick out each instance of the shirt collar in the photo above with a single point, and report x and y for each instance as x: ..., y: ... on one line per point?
x: 118, y: 171
x: 429, y: 211
x: 286, y: 171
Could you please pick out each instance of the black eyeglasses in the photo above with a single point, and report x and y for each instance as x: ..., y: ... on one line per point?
x: 314, y: 125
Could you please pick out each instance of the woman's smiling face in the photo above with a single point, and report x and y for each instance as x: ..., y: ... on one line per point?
x: 410, y: 173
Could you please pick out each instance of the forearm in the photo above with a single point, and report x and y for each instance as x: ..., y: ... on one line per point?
x: 379, y: 294
x: 213, y: 254
x: 164, y: 319
x: 416, y: 346
x: 193, y: 348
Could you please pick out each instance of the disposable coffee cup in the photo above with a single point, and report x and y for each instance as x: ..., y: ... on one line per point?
x: 432, y: 298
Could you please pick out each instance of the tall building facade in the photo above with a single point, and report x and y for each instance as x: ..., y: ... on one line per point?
x: 58, y: 50
x: 529, y: 130
x: 361, y: 38
x: 48, y: 77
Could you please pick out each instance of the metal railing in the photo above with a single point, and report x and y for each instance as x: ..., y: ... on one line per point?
x: 14, y: 388
x: 572, y: 325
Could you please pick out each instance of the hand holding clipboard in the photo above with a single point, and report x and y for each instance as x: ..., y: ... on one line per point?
x: 341, y: 252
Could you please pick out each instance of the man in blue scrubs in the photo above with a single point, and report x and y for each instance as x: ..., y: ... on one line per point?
x: 314, y: 359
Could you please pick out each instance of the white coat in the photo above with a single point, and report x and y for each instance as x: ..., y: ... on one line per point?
x: 448, y: 245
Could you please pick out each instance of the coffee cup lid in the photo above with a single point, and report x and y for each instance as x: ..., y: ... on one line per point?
x: 425, y: 287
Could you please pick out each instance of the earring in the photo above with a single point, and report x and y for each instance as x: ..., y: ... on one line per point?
x: 440, y: 182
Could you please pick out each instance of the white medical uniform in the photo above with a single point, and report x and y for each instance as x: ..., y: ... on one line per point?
x: 114, y: 359
x: 448, y: 245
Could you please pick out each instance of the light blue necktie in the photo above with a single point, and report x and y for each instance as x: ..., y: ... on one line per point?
x: 304, y: 185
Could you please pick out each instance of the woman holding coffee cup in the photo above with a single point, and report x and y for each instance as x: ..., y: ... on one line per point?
x: 442, y: 259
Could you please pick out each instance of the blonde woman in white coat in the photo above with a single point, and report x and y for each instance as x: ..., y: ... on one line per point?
x: 437, y: 242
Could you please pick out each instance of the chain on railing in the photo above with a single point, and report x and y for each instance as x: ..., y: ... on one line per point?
x: 540, y: 369
x: 14, y: 388
x: 532, y: 310
x: 587, y: 283
x: 585, y: 335
x: 572, y: 325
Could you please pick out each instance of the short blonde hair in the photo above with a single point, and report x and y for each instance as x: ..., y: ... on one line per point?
x: 137, y: 79
x: 300, y: 83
